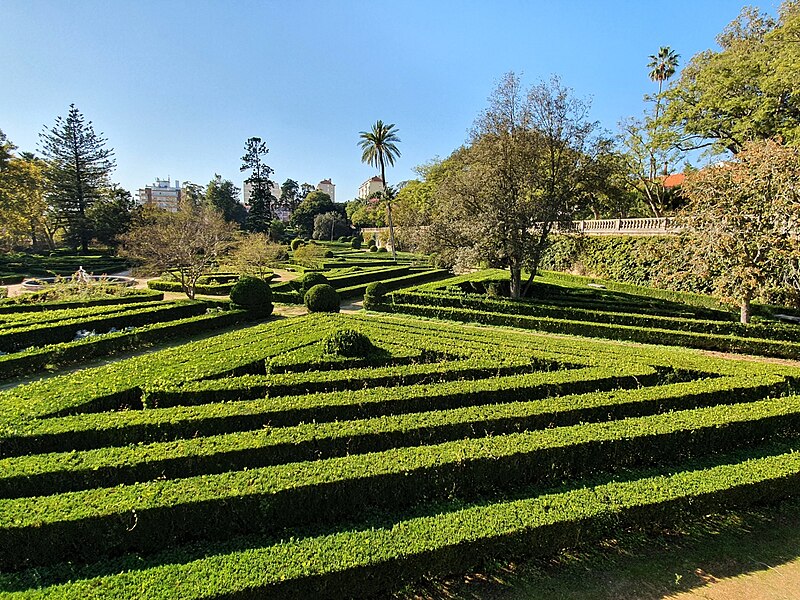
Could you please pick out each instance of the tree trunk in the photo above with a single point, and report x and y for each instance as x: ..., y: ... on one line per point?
x: 516, y: 281
x: 745, y: 310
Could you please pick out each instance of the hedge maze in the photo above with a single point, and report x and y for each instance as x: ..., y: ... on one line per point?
x: 253, y: 463
x: 564, y: 304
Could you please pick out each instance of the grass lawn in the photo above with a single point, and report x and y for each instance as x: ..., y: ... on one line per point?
x: 747, y: 554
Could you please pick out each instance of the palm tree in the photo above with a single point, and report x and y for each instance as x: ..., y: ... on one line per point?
x: 379, y: 148
x: 662, y: 66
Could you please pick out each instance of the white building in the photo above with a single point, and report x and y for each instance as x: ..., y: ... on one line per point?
x: 327, y: 186
x: 369, y: 187
x: 161, y: 194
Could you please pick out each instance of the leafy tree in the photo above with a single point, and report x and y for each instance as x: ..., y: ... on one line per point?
x: 743, y: 219
x: 745, y: 91
x: 330, y: 225
x: 222, y: 195
x: 649, y: 153
x: 192, y: 196
x: 305, y: 190
x: 190, y: 242
x: 77, y: 172
x: 519, y: 175
x: 605, y: 191
x: 24, y: 214
x: 261, y: 200
x: 256, y: 255
x: 290, y: 195
x: 6, y: 149
x: 111, y: 215
x: 316, y: 203
x: 379, y: 147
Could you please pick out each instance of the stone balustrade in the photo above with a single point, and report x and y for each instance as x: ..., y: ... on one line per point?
x: 646, y: 226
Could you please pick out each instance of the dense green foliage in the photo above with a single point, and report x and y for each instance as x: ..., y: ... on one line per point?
x: 348, y: 342
x: 253, y: 294
x: 432, y: 452
x: 322, y: 298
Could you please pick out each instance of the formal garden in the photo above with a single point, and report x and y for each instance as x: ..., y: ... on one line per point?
x: 485, y: 381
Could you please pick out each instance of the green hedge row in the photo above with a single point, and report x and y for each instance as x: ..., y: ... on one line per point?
x: 236, y: 353
x: 41, y: 358
x: 775, y: 331
x: 375, y: 559
x: 704, y: 341
x: 84, y: 525
x: 12, y: 340
x: 250, y: 387
x: 374, y: 274
x: 210, y: 289
x: 397, y: 282
x: 97, y: 430
x: 59, y: 472
x: 11, y: 321
x: 15, y: 305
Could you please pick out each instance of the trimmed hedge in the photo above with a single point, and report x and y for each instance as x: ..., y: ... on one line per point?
x: 265, y: 500
x: 19, y: 338
x: 601, y: 330
x: 55, y: 355
x: 253, y: 294
x: 449, y: 541
x: 322, y: 298
x: 13, y: 306
x: 60, y: 472
x: 209, y: 289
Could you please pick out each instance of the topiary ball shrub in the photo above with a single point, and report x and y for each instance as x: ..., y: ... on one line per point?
x: 296, y: 243
x: 252, y: 294
x: 311, y: 279
x: 373, y: 248
x: 372, y: 242
x: 382, y: 249
x: 322, y: 298
x: 329, y: 254
x: 356, y: 244
x: 348, y: 342
x: 374, y: 294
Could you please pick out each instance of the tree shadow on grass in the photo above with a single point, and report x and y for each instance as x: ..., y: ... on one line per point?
x: 638, y: 565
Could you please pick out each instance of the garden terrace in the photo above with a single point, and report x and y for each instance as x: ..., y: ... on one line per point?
x: 13, y: 267
x: 352, y: 281
x: 574, y: 309
x: 254, y: 462
x: 33, y: 340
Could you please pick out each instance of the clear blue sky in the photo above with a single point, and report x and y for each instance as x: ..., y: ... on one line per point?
x: 178, y: 86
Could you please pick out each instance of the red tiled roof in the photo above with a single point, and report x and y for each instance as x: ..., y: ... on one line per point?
x: 674, y: 180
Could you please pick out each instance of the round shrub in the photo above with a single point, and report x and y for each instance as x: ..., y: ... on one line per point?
x: 329, y: 254
x: 311, y: 279
x: 322, y: 298
x: 374, y: 294
x: 373, y: 248
x: 296, y: 243
x: 356, y: 243
x: 372, y: 242
x: 252, y: 294
x: 348, y: 342
x: 382, y: 249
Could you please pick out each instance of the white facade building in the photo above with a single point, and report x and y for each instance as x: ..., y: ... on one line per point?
x: 161, y: 194
x: 369, y: 187
x: 327, y: 186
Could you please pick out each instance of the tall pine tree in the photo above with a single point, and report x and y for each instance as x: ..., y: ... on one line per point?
x: 261, y: 200
x: 77, y: 172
